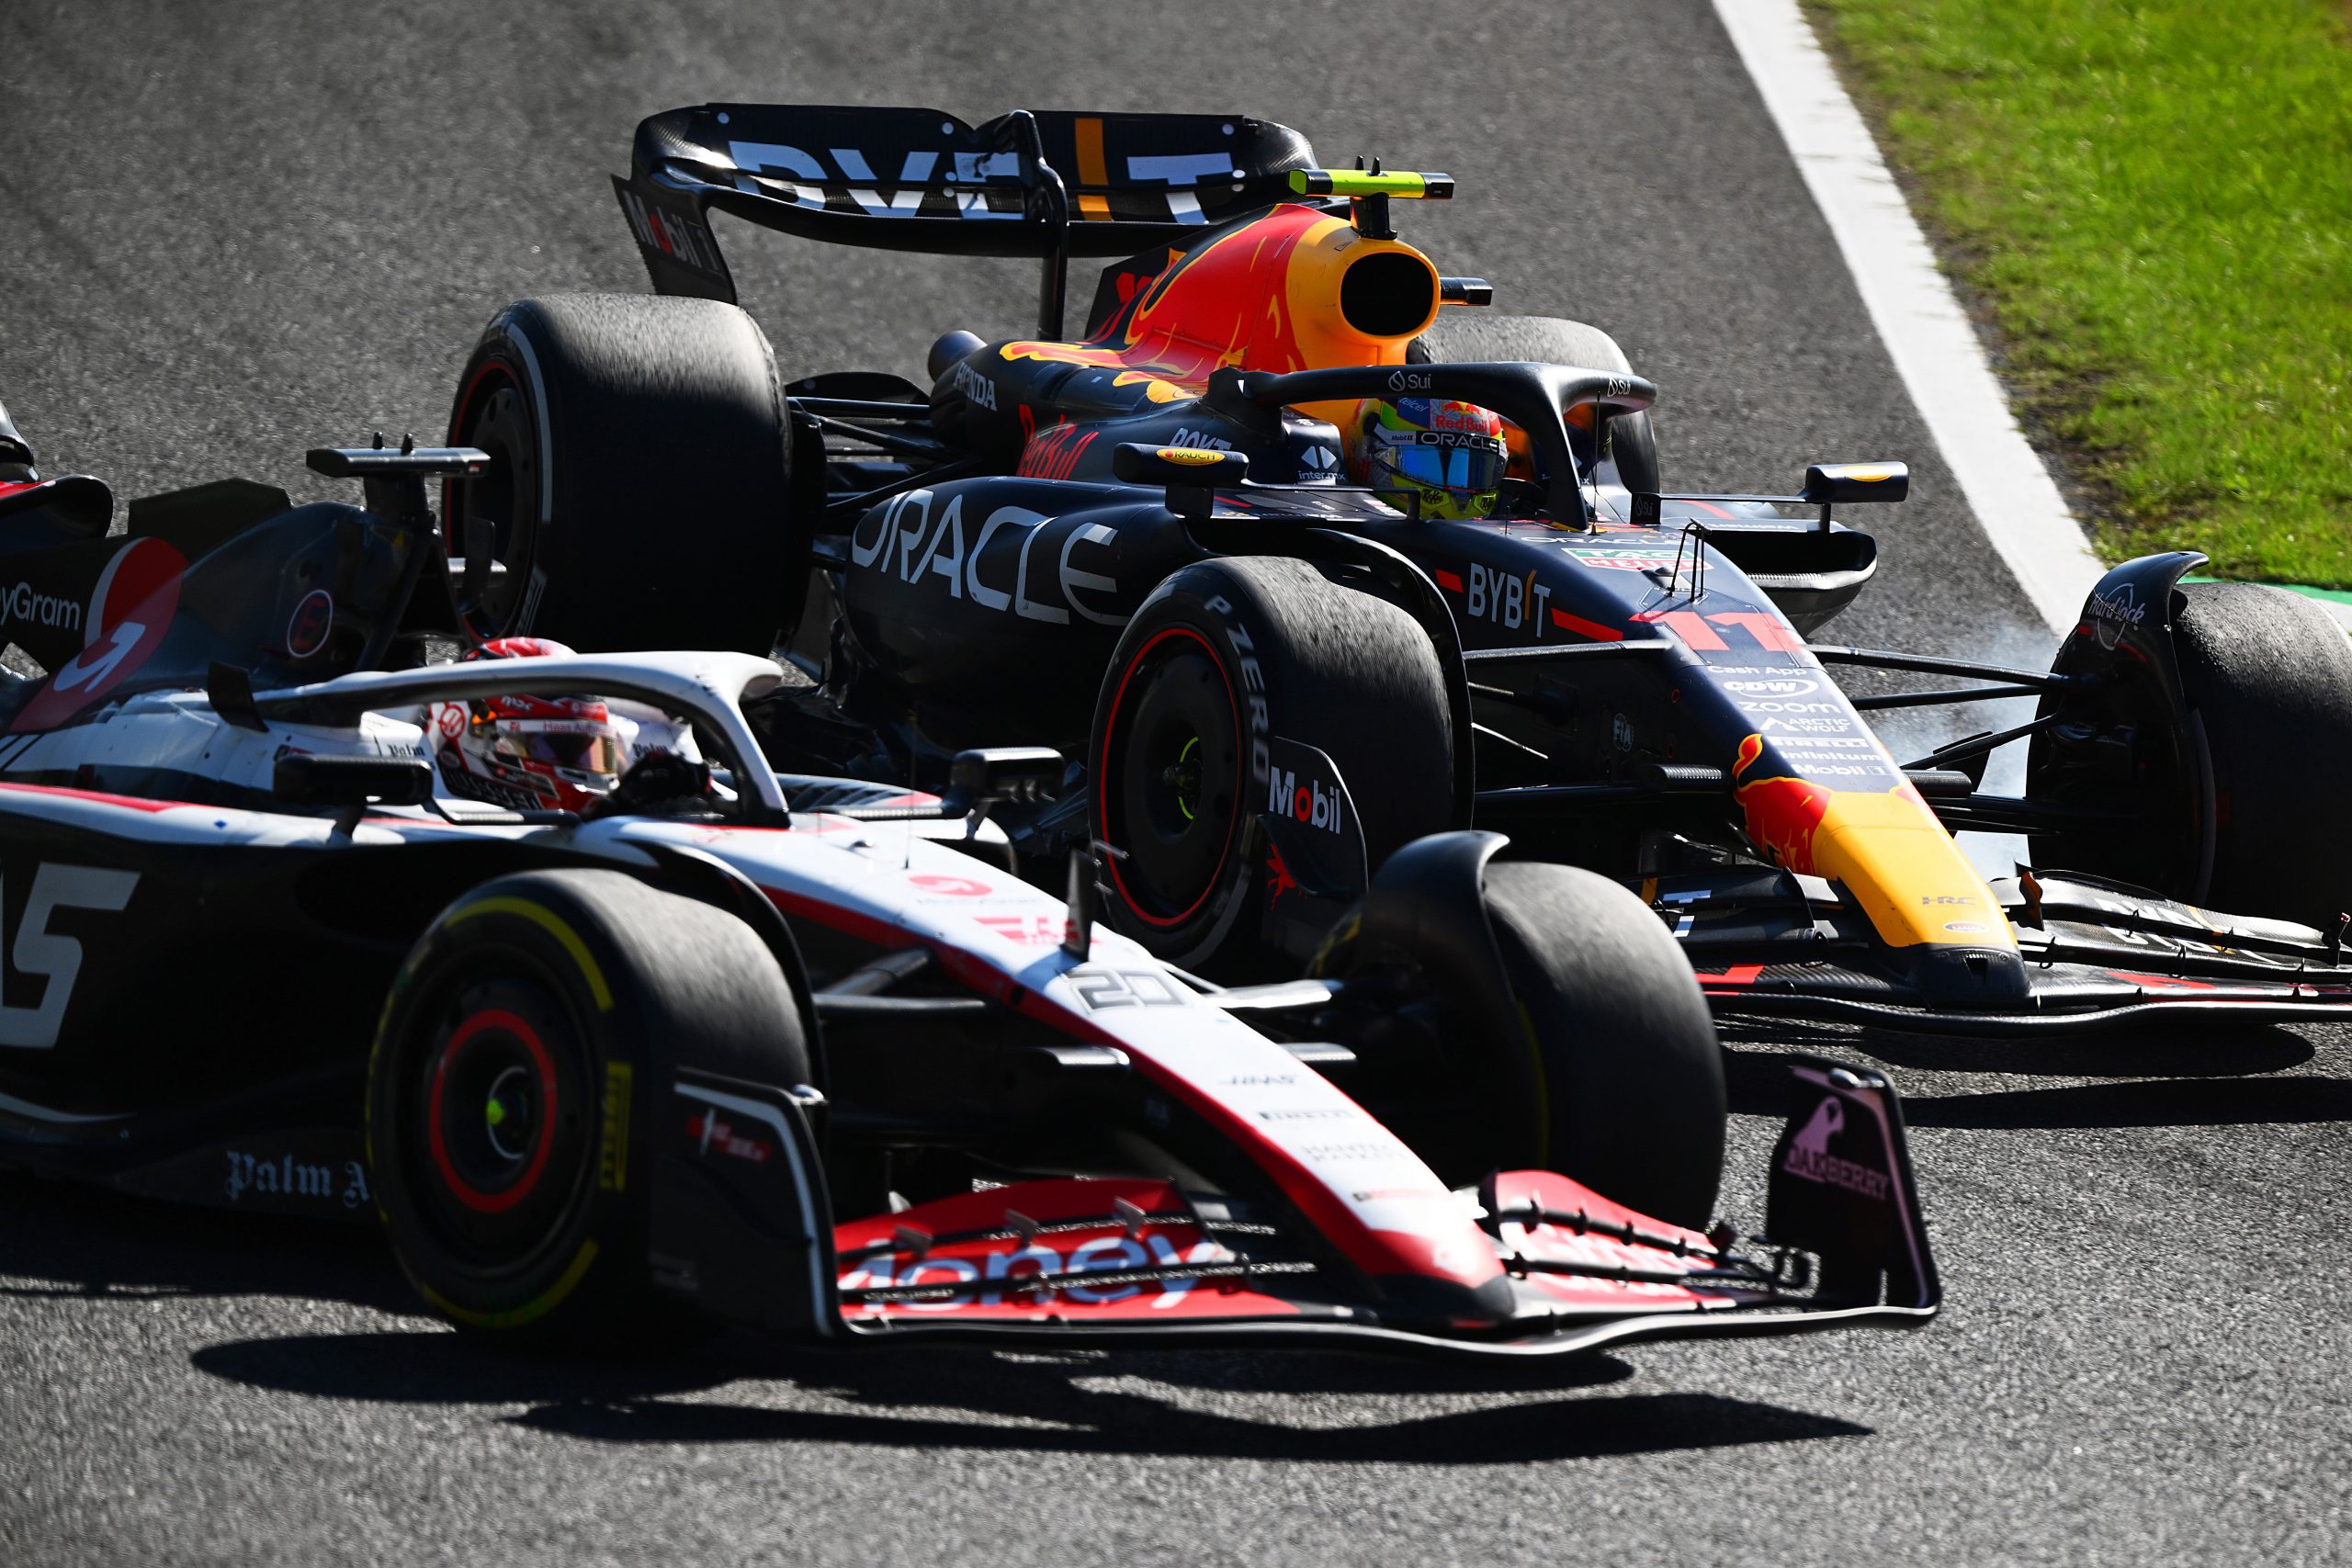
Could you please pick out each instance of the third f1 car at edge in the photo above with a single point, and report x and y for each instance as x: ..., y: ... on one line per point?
x: 1132, y: 547
x: 677, y: 1044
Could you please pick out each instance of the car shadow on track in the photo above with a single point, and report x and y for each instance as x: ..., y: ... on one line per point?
x: 968, y: 1400
x: 67, y: 1240
x: 2162, y: 1103
x: 2174, y: 1076
x: 2179, y: 1049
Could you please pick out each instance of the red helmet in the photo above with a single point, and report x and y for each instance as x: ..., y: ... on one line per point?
x: 560, y: 754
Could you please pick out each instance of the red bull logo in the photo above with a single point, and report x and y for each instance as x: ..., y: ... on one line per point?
x: 1884, y: 846
x: 1052, y: 453
x: 1783, y: 813
x: 1453, y: 414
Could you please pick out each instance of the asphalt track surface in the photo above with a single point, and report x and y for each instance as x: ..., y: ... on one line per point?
x: 229, y: 232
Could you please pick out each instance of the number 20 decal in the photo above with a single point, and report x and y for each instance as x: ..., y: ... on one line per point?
x: 1101, y: 989
x: 40, y: 951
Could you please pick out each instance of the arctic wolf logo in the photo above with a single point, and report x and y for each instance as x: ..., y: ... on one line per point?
x: 1809, y: 1154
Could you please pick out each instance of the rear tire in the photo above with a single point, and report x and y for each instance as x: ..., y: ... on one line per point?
x: 638, y: 493
x: 517, y: 1081
x: 1610, y: 1072
x: 1628, y: 443
x: 1224, y: 656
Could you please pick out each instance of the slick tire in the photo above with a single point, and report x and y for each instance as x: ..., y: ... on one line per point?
x: 1628, y: 442
x: 639, y: 488
x: 2268, y: 675
x: 516, y: 1084
x: 2237, y: 792
x: 1603, y: 1064
x: 1223, y: 657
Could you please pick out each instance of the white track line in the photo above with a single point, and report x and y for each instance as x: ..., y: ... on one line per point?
x: 1930, y: 338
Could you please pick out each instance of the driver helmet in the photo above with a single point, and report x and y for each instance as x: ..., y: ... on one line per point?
x: 1451, y: 455
x: 526, y: 752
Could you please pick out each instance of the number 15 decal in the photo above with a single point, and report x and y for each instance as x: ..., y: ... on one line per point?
x: 40, y: 951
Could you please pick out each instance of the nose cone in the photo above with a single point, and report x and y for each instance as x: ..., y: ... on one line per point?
x: 1426, y: 1299
x: 1971, y: 979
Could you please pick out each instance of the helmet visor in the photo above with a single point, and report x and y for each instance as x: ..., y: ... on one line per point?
x: 1466, y: 465
x: 582, y: 746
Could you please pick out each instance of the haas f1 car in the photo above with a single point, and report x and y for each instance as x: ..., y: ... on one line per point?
x: 689, y: 1050
x: 1131, y: 547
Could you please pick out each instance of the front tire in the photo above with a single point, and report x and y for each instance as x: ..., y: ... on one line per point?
x: 516, y: 1085
x: 638, y: 491
x: 2245, y: 816
x: 1601, y: 1063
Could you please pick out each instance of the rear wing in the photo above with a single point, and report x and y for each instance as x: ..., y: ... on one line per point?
x: 1051, y: 182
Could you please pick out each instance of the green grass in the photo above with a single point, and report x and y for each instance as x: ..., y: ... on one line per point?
x: 2155, y: 200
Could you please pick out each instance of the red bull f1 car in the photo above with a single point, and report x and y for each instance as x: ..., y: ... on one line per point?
x: 1131, y: 547
x: 697, y: 1049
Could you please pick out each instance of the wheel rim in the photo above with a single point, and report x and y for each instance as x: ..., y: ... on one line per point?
x: 493, y: 520
x: 1171, y: 783
x: 493, y: 1084
x: 501, y: 1125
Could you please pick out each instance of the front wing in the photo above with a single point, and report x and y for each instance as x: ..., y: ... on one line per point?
x: 1127, y: 1261
x: 2096, y: 955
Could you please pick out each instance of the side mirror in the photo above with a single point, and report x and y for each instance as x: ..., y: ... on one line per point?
x: 1826, y: 485
x: 352, y: 781
x: 1834, y: 484
x: 1002, y: 775
x: 1192, y: 474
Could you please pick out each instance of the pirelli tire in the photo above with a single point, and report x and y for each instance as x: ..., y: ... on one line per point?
x: 1222, y: 658
x: 1601, y: 1063
x: 513, y: 1096
x: 1628, y: 441
x: 639, y: 487
x: 2246, y: 814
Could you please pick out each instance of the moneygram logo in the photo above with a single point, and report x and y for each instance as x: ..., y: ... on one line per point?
x: 24, y: 605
